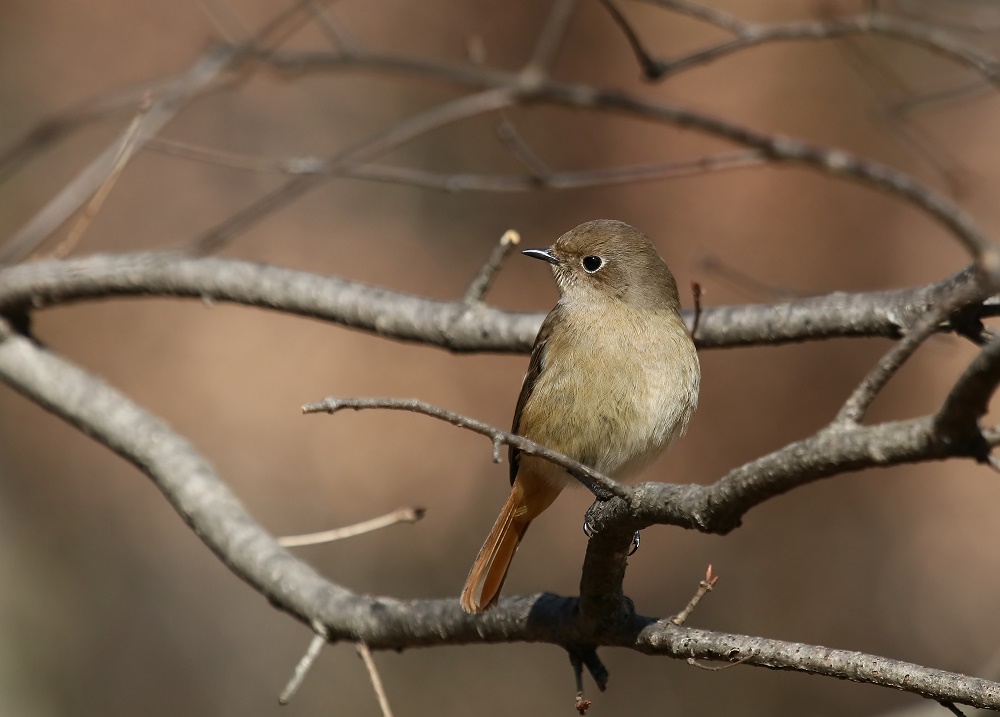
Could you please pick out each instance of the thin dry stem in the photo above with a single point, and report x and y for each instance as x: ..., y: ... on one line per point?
x: 127, y: 148
x: 704, y: 587
x: 165, y: 107
x: 305, y: 664
x: 522, y: 152
x: 597, y: 483
x: 366, y: 655
x: 551, y: 37
x: 403, y: 515
x: 464, y: 182
x: 718, y: 668
x: 224, y: 20
x: 414, y: 126
x: 480, y: 283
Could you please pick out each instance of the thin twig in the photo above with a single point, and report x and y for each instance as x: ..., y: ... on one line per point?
x: 321, y: 638
x: 413, y: 126
x: 480, y: 283
x: 228, y: 25
x: 324, y: 13
x: 551, y: 37
x: 696, y: 297
x: 366, y: 655
x: 951, y: 707
x: 127, y: 148
x: 651, y: 67
x: 222, y: 522
x: 522, y: 152
x: 969, y: 398
x: 704, y: 587
x: 441, y: 181
x: 722, y: 20
x: 744, y: 282
x: 833, y: 162
x: 166, y: 105
x: 929, y: 100
x: 872, y: 71
x: 717, y: 668
x: 914, y: 33
x: 854, y: 409
x: 403, y: 515
x: 596, y: 482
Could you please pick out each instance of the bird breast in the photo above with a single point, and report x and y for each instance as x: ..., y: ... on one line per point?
x: 614, y: 398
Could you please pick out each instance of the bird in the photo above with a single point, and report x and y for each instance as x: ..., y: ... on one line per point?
x: 612, y: 381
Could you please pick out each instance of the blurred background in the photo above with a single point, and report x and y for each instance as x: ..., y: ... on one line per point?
x: 109, y: 605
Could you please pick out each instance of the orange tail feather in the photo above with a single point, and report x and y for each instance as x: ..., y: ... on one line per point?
x: 482, y: 587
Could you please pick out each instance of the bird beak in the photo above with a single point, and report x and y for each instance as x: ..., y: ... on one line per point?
x: 543, y: 254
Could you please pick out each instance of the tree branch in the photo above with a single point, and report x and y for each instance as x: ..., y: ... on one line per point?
x: 595, y: 482
x: 861, y: 399
x: 833, y: 162
x: 451, y: 325
x: 218, y: 518
x: 79, y: 190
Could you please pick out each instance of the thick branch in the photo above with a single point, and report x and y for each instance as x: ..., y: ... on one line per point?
x: 219, y: 519
x: 453, y: 325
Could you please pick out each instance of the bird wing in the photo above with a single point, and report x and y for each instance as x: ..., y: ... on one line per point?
x: 535, y: 367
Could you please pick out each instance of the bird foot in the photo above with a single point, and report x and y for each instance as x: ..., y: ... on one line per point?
x: 589, y: 531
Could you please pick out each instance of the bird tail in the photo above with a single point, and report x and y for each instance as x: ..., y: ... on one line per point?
x: 482, y: 587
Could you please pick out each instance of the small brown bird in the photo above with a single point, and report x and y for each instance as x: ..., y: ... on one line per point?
x: 613, y: 380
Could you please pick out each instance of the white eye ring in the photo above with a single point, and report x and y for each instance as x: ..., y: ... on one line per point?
x: 592, y: 263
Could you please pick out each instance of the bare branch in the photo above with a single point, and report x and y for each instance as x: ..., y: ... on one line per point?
x: 950, y: 706
x: 73, y: 195
x: 403, y: 515
x: 721, y: 20
x: 366, y: 655
x: 602, y: 615
x: 833, y: 162
x: 704, y: 587
x: 970, y: 397
x: 539, y: 176
x: 480, y: 283
x: 839, y: 448
x: 595, y: 482
x: 383, y: 623
x: 450, y: 325
x: 316, y: 645
x: 414, y: 126
x: 324, y: 13
x: 509, y: 135
x: 913, y: 33
x: 224, y: 20
x: 125, y: 152
x: 551, y: 38
x: 861, y: 399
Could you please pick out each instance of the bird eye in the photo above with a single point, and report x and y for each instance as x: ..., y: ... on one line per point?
x: 592, y: 263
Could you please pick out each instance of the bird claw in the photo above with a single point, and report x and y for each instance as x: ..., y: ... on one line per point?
x: 588, y: 530
x: 635, y: 543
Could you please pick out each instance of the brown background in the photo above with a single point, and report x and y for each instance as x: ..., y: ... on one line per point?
x: 110, y: 606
